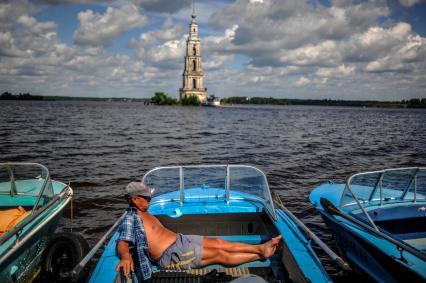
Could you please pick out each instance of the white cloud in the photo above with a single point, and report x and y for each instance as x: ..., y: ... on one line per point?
x: 100, y: 30
x: 163, y: 6
x: 322, y: 54
x: 164, y: 47
x: 302, y: 81
x: 254, y: 48
x: 12, y: 10
x: 410, y: 3
x: 341, y: 71
x: 36, y: 27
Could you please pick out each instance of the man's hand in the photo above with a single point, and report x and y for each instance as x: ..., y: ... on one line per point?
x: 126, y: 263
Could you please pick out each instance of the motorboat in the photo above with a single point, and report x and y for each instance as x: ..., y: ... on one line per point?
x: 212, y: 101
x: 232, y: 202
x: 31, y: 205
x: 378, y: 220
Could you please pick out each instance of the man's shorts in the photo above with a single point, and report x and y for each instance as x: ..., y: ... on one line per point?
x: 185, y: 253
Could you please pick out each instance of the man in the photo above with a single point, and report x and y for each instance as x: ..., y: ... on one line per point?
x: 156, y: 243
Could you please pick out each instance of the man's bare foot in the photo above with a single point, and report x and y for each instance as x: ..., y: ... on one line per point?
x: 270, y: 247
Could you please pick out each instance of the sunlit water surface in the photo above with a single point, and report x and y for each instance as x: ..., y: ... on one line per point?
x: 100, y: 146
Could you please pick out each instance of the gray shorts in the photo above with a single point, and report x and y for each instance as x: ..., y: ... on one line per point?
x: 185, y: 253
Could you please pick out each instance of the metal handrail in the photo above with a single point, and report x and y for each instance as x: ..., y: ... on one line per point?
x: 227, y: 181
x: 329, y: 207
x: 8, y: 166
x: 311, y: 235
x: 77, y: 269
x: 413, y: 179
x: 379, y: 184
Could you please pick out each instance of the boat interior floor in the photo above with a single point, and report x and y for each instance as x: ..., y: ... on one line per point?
x: 250, y: 228
x: 405, y: 222
x: 212, y: 275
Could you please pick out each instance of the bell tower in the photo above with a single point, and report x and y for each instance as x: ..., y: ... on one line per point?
x: 192, y: 84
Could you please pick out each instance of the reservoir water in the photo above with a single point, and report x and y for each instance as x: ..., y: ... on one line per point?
x: 101, y: 146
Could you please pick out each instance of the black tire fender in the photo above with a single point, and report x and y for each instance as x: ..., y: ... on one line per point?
x: 63, y: 252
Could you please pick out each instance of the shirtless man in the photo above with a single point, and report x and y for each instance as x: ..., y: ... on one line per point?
x: 156, y: 243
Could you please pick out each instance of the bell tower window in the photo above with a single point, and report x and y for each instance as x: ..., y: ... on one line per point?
x: 194, y: 50
x: 194, y: 83
x: 194, y: 65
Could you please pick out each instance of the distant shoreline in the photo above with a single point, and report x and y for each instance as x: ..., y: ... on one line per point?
x: 239, y: 100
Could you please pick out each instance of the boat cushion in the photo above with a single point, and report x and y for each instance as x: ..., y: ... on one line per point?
x: 9, y: 218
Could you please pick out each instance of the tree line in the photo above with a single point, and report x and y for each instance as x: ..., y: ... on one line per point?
x: 411, y: 103
x: 160, y: 98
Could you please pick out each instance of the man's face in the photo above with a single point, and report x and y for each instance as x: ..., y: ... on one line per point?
x: 141, y: 202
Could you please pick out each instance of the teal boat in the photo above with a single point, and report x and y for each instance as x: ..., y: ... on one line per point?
x: 232, y: 202
x: 378, y: 220
x: 31, y: 205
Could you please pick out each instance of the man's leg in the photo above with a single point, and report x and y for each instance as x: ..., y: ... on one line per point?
x: 219, y: 251
x: 218, y: 256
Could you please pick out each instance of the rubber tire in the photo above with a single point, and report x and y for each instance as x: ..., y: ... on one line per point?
x: 64, y: 251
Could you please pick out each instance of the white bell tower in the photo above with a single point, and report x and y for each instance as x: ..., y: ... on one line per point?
x: 192, y: 84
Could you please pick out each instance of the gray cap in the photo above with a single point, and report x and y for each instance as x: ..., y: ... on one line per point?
x: 138, y: 189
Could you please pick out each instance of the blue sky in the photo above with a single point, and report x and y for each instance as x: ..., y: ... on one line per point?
x: 340, y: 49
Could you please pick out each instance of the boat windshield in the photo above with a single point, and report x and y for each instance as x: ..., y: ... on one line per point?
x: 401, y: 184
x: 224, y: 182
x: 25, y: 184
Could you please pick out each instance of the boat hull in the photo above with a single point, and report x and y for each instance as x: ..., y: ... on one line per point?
x: 21, y: 253
x: 366, y: 257
x: 365, y: 251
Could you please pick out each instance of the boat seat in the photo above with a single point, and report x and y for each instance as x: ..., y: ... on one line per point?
x: 10, y: 217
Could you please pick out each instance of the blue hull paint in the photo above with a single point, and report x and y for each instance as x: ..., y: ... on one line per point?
x: 301, y: 262
x: 232, y: 202
x: 366, y: 252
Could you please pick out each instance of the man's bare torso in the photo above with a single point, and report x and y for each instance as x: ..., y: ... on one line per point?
x: 159, y: 237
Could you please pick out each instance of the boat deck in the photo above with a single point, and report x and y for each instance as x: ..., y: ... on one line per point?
x: 200, y: 275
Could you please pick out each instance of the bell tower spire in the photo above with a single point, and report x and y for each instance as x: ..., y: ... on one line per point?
x: 193, y: 75
x: 193, y: 9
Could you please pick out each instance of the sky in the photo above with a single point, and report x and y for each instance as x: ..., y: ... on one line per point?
x: 314, y: 49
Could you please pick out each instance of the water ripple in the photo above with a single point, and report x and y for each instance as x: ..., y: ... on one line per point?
x: 100, y: 146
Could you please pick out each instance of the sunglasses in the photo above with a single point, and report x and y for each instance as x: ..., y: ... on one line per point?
x: 144, y: 197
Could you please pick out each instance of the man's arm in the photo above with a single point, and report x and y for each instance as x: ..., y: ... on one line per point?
x: 126, y: 261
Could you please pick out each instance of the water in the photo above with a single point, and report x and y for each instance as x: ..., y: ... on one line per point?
x: 100, y: 146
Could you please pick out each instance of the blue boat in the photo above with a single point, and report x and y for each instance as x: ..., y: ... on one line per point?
x: 31, y: 205
x: 232, y: 202
x: 378, y: 220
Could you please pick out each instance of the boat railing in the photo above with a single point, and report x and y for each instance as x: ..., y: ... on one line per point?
x: 228, y: 178
x: 399, y: 183
x: 45, y: 175
x: 16, y: 231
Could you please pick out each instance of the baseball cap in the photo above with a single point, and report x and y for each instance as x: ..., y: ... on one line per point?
x: 139, y: 189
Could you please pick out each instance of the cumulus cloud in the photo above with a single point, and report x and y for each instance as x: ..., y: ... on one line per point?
x: 257, y: 47
x: 100, y: 30
x: 163, y: 48
x: 302, y: 81
x: 341, y: 71
x: 34, y: 59
x: 10, y: 10
x: 410, y: 3
x: 163, y: 6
